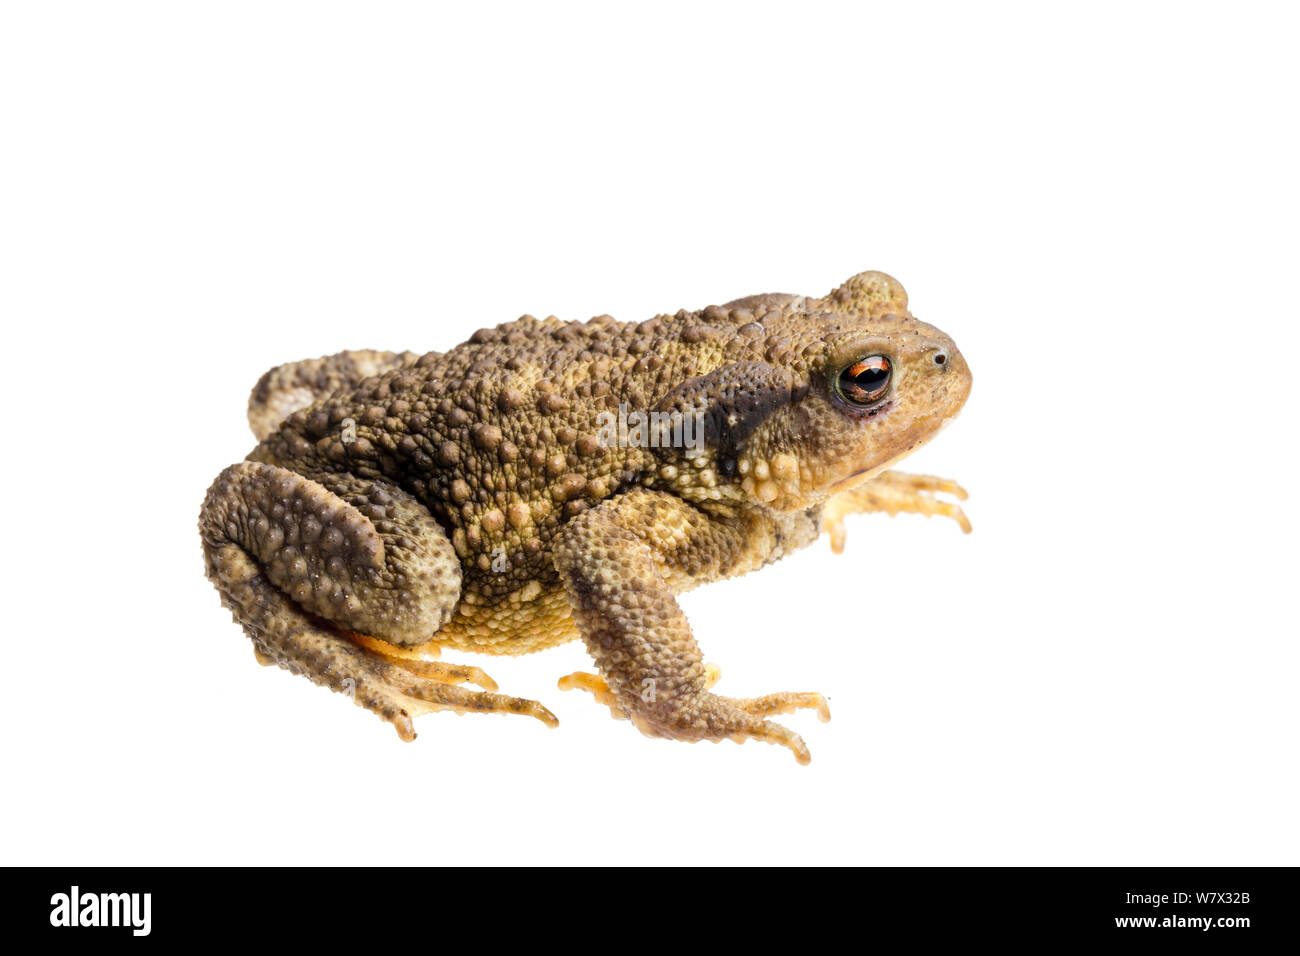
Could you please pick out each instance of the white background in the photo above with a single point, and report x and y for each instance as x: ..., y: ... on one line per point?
x: 1099, y: 206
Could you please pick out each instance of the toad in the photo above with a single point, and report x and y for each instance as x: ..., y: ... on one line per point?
x: 550, y: 480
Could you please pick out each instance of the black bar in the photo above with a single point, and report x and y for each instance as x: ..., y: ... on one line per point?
x: 1231, y: 907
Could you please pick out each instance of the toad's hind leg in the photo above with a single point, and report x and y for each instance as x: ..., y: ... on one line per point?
x: 286, y: 388
x: 307, y: 566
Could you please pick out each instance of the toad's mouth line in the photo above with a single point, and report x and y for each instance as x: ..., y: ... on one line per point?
x: 866, y: 474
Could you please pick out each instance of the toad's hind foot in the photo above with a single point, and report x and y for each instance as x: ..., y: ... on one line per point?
x: 594, y: 685
x: 894, y: 492
x: 308, y: 569
x: 395, y: 687
x: 384, y: 677
x: 411, y: 660
x: 399, y: 687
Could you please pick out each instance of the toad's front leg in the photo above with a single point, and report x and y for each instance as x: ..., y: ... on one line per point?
x: 894, y: 492
x: 621, y: 563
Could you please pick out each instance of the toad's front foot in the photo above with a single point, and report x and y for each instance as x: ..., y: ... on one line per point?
x: 596, y: 686
x: 894, y: 492
x: 610, y: 559
x: 706, y: 716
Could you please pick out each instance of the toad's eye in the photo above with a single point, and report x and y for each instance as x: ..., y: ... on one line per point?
x: 865, y: 381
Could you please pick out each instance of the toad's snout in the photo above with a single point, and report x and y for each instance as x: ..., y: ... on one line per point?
x: 937, y: 357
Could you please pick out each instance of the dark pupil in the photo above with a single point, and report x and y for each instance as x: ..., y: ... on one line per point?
x: 871, y: 378
x: 865, y: 381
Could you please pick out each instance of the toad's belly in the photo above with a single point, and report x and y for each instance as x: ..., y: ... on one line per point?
x: 520, y: 623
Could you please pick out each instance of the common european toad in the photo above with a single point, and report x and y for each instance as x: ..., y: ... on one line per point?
x: 549, y: 480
